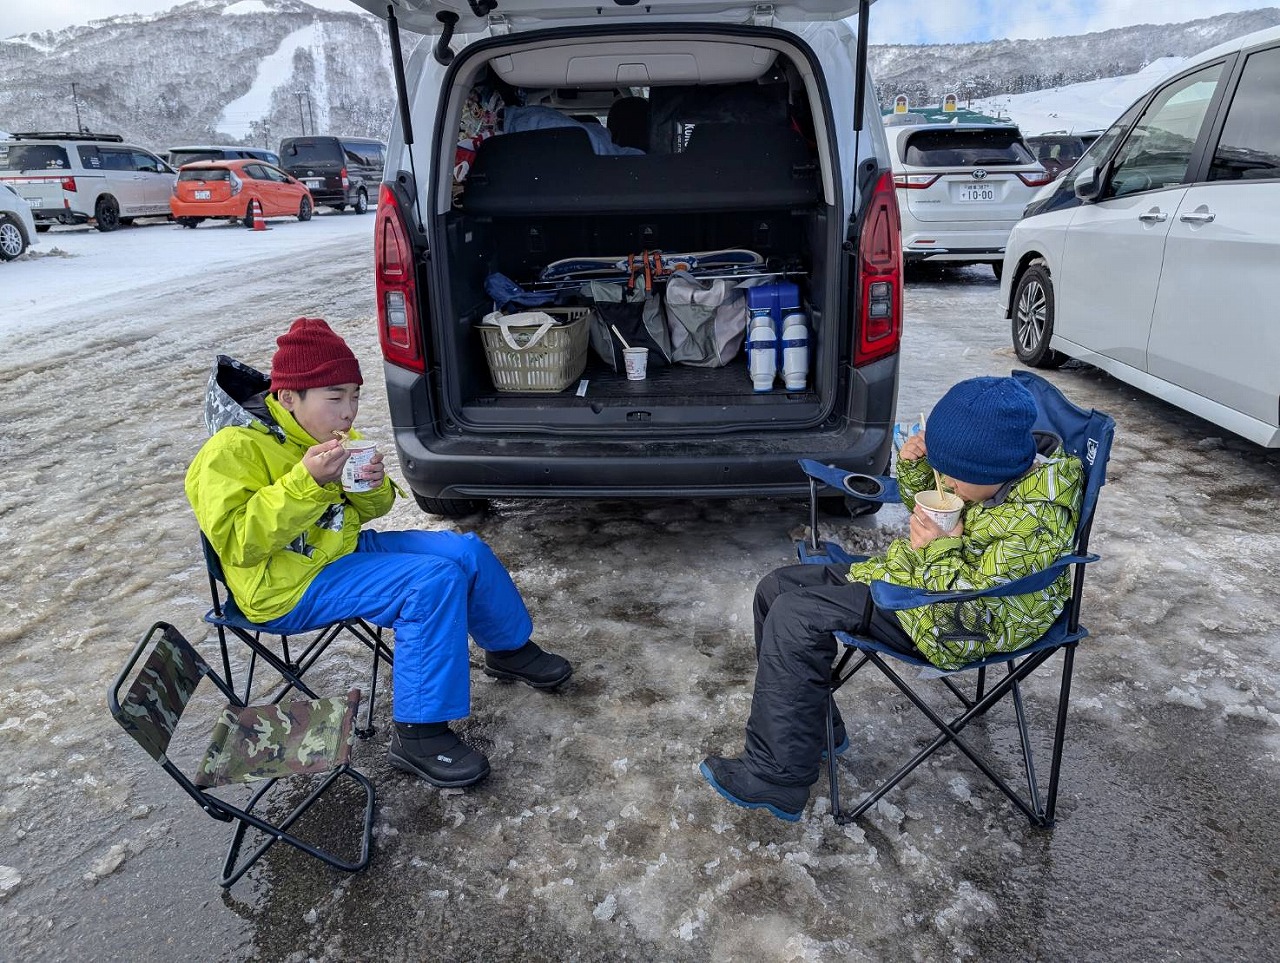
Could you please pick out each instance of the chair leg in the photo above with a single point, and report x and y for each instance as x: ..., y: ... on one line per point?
x: 369, y: 729
x: 837, y: 680
x: 1059, y: 733
x: 231, y: 872
x: 1024, y: 737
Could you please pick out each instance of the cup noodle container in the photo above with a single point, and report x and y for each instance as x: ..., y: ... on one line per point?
x: 361, y: 454
x: 944, y: 508
x: 636, y: 361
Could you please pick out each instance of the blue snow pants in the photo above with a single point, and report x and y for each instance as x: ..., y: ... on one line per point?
x: 433, y: 589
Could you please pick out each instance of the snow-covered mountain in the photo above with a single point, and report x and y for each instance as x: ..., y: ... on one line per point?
x: 254, y: 71
x: 208, y: 71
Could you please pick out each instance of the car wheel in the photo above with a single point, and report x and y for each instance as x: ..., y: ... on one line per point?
x: 1033, y: 319
x: 43, y: 228
x: 12, y: 239
x: 247, y: 220
x: 304, y: 209
x: 997, y: 268
x: 362, y: 203
x: 190, y: 221
x: 450, y: 507
x: 106, y: 213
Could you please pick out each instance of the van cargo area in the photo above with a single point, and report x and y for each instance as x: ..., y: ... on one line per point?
x: 672, y: 168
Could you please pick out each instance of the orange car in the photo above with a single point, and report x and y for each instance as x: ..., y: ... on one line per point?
x: 228, y: 188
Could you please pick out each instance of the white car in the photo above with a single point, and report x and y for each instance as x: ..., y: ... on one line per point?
x: 17, y: 226
x: 70, y: 178
x: 961, y: 188
x: 1156, y: 258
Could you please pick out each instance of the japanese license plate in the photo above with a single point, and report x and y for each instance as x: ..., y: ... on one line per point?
x: 313, y: 181
x: 975, y: 192
x: 35, y: 201
x: 202, y: 195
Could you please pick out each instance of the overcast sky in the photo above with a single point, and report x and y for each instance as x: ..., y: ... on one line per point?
x: 893, y: 21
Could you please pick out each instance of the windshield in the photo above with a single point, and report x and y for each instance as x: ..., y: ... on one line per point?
x: 204, y: 174
x: 179, y: 157
x: 33, y: 157
x: 966, y: 148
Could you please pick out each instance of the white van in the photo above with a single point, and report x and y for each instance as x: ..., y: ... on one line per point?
x: 684, y: 127
x: 1155, y: 258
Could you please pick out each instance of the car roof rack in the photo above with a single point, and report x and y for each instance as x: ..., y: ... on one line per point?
x: 64, y: 135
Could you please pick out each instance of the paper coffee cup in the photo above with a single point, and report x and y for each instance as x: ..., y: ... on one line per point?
x: 943, y: 507
x: 636, y: 361
x: 361, y: 454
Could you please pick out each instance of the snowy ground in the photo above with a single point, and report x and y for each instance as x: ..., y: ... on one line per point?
x: 595, y: 838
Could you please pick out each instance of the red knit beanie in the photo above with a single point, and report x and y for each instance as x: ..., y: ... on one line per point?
x: 310, y: 355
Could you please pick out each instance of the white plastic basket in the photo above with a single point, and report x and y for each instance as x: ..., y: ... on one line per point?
x: 542, y: 350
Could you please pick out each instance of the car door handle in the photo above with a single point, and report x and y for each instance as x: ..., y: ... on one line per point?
x: 1153, y: 216
x: 1197, y: 217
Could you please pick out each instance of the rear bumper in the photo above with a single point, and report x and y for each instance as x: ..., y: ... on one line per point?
x: 323, y: 195
x: 233, y: 208
x: 985, y: 244
x: 698, y: 466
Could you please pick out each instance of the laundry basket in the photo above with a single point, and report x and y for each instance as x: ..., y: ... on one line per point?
x: 543, y: 350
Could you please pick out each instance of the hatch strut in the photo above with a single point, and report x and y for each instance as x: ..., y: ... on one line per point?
x: 402, y: 100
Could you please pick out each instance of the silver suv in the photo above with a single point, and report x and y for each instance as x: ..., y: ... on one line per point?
x: 73, y: 178
x: 961, y: 188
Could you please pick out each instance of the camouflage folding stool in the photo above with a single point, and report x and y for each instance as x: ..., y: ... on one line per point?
x: 225, y: 616
x: 249, y: 744
x: 1085, y: 434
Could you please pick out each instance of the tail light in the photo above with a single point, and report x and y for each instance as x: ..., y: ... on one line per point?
x: 236, y: 183
x: 395, y: 280
x: 1035, y: 178
x: 915, y: 182
x: 343, y: 174
x: 879, y: 277
x: 68, y: 183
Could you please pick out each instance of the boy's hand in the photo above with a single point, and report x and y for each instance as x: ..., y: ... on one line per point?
x: 325, y: 460
x: 913, y: 448
x: 924, y: 529
x: 373, y: 472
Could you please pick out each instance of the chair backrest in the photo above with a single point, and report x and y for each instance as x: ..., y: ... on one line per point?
x: 211, y: 561
x: 154, y: 703
x: 1085, y: 434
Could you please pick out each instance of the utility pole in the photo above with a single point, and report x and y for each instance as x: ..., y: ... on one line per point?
x: 310, y: 115
x: 302, y: 121
x: 75, y: 100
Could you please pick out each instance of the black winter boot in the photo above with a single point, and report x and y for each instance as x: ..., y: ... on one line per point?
x: 529, y: 664
x: 732, y: 779
x: 432, y: 750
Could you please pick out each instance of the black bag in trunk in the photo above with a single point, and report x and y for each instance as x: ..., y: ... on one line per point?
x: 636, y: 314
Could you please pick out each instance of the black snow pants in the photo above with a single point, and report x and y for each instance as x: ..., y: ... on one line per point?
x: 796, y: 610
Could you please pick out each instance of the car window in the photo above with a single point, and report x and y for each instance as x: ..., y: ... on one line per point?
x: 1249, y: 147
x: 359, y: 154
x: 272, y: 174
x: 966, y: 148
x: 204, y: 174
x: 178, y: 158
x: 115, y: 159
x: 312, y: 151
x: 34, y: 157
x: 1158, y: 149
x: 256, y: 171
x: 146, y: 163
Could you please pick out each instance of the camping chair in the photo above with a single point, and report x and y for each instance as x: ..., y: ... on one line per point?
x: 1085, y: 434
x: 225, y: 616
x: 248, y: 744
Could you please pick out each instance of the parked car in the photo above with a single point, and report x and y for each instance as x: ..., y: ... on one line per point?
x: 341, y: 172
x: 177, y: 156
x: 70, y: 178
x: 744, y: 137
x: 227, y: 189
x: 1155, y: 260
x: 17, y: 226
x: 1056, y: 152
x: 961, y: 188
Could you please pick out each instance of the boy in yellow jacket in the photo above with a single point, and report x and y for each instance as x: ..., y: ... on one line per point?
x: 267, y: 493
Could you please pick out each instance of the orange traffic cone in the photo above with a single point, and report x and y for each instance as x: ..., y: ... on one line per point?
x: 259, y: 224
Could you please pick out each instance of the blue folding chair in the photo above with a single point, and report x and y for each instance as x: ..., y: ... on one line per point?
x: 225, y: 616
x: 1085, y: 434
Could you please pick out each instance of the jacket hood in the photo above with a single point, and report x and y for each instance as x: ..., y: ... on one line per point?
x: 1059, y: 479
x: 236, y: 397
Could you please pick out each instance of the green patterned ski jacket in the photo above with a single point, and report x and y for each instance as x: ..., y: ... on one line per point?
x: 1021, y: 530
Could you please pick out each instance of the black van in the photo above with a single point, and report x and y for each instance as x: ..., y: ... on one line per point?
x: 339, y: 171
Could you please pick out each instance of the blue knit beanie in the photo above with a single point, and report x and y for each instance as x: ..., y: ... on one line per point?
x: 980, y: 431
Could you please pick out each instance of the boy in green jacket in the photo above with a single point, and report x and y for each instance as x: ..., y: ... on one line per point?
x: 1021, y: 494
x: 267, y: 492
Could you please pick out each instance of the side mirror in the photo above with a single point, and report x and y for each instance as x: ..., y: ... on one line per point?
x: 1086, y: 184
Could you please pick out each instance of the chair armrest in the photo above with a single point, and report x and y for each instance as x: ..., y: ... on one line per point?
x: 867, y: 488
x: 894, y: 598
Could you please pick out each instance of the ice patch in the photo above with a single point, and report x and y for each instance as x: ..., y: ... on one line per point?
x: 108, y: 863
x: 606, y: 908
x: 10, y: 879
x: 968, y: 908
x: 1184, y: 697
